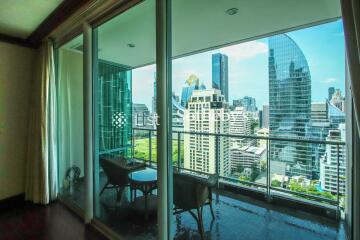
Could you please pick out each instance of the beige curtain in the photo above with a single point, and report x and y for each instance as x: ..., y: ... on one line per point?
x: 37, y: 187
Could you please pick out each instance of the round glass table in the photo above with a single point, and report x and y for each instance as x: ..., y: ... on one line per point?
x: 145, y: 181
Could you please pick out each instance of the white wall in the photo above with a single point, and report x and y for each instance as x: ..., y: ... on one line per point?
x: 16, y: 73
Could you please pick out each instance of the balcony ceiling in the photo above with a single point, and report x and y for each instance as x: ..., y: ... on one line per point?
x: 203, y: 24
x: 19, y: 18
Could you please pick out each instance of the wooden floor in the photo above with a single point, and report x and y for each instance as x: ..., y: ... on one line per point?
x: 36, y: 222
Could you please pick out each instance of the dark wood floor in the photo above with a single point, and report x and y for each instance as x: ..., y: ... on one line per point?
x: 44, y: 222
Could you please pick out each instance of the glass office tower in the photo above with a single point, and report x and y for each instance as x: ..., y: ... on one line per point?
x: 331, y: 92
x: 220, y: 74
x: 290, y: 104
x: 191, y: 84
x: 114, y: 106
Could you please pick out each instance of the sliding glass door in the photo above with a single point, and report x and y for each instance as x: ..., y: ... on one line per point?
x: 71, y: 122
x: 254, y: 115
x: 125, y: 181
x: 239, y: 113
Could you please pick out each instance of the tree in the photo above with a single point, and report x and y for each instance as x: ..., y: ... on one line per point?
x: 311, y: 190
x: 275, y: 183
x: 244, y: 178
x: 254, y: 171
x: 254, y: 124
x: 239, y: 169
x: 263, y: 165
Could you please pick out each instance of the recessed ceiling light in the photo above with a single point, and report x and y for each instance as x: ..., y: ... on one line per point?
x: 131, y: 45
x: 232, y: 11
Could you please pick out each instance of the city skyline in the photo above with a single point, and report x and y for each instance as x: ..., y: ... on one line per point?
x: 297, y: 104
x: 289, y: 102
x: 325, y: 56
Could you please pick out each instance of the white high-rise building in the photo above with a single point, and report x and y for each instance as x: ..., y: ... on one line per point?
x: 338, y: 100
x: 246, y: 157
x: 265, y: 117
x: 328, y: 163
x: 206, y: 112
x: 262, y: 132
x: 240, y: 124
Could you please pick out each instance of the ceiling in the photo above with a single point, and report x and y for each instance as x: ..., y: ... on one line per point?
x: 19, y: 18
x: 203, y: 24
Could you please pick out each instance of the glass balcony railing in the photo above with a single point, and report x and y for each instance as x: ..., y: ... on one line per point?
x: 317, y: 177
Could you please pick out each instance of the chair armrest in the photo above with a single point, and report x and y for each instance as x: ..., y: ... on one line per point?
x: 209, y: 181
x: 135, y: 166
x: 201, y: 194
x: 122, y: 164
x: 212, y: 180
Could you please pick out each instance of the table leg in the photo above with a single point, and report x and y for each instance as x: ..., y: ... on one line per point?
x: 131, y: 193
x: 146, y: 209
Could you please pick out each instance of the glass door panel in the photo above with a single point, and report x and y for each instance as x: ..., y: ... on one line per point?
x: 71, y: 122
x: 125, y: 180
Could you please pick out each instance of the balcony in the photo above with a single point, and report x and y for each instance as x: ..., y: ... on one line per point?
x: 291, y: 181
x: 245, y: 207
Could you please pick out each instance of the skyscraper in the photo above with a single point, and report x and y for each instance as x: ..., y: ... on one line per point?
x: 336, y: 116
x: 177, y: 114
x: 114, y: 107
x: 318, y: 130
x: 329, y: 165
x: 206, y: 112
x: 240, y: 124
x: 265, y: 116
x: 154, y: 97
x: 191, y: 84
x: 325, y: 117
x: 248, y: 103
x: 140, y: 114
x: 331, y: 92
x: 246, y: 157
x: 177, y: 109
x: 289, y: 101
x: 338, y: 100
x: 260, y: 118
x: 220, y: 74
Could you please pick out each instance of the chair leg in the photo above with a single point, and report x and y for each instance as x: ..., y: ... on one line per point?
x: 119, y: 192
x: 131, y: 194
x: 103, y: 189
x: 210, y: 203
x: 211, y: 208
x: 200, y: 223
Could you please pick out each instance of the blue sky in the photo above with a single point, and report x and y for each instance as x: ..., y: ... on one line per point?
x: 322, y: 45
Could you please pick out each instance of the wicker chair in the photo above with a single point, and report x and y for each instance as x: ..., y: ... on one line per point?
x: 192, y: 192
x: 117, y: 171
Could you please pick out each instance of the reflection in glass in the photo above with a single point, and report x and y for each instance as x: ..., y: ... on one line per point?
x: 125, y: 189
x: 71, y: 122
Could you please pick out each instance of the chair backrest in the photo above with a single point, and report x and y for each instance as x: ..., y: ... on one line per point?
x: 189, y: 192
x: 115, y: 170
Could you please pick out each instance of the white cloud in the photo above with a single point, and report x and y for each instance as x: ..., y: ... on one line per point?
x: 245, y: 50
x: 185, y: 73
x: 143, y: 85
x: 330, y: 80
x: 234, y: 77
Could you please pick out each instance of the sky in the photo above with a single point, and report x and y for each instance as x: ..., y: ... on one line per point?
x: 322, y: 45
